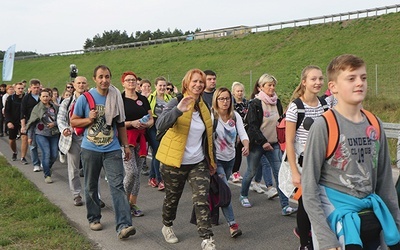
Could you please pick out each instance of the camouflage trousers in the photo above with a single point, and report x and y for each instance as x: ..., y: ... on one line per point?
x: 198, y: 176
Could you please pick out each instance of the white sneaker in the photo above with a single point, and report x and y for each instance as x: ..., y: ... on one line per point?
x: 36, y: 169
x: 208, y: 244
x: 256, y: 187
x: 61, y: 157
x: 169, y: 234
x: 271, y: 193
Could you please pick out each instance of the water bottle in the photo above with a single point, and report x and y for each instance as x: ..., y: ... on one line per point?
x: 144, y: 119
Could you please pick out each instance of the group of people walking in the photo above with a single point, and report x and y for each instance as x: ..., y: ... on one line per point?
x: 205, y: 131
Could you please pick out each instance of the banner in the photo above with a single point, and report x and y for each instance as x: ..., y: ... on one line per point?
x: 8, y: 64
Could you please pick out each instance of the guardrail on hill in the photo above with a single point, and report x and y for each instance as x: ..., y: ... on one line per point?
x: 392, y: 130
x: 237, y: 30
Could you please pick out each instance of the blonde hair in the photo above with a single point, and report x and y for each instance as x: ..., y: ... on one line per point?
x: 215, y: 107
x: 238, y: 84
x: 301, y: 89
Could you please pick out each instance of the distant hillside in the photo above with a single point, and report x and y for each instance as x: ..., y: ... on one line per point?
x: 282, y: 53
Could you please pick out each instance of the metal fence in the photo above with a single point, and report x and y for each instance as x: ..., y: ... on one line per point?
x: 237, y: 30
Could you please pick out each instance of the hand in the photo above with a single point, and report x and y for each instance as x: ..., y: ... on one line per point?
x: 267, y: 146
x: 296, y: 179
x: 127, y: 154
x: 212, y: 170
x: 67, y: 132
x: 29, y: 141
x: 245, y: 151
x: 93, y: 114
x: 186, y: 103
x: 51, y: 125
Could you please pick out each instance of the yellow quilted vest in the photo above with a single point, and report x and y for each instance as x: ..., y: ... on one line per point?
x: 172, y: 145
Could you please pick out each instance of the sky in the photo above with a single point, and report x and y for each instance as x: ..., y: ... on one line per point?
x: 51, y: 26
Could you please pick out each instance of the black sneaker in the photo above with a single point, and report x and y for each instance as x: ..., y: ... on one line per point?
x: 14, y: 157
x: 24, y: 161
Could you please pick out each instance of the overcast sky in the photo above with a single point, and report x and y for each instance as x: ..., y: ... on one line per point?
x: 47, y: 26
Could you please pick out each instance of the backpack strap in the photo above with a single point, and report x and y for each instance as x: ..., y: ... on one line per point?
x: 301, y: 112
x: 334, y: 132
x: 323, y: 102
x: 90, y: 100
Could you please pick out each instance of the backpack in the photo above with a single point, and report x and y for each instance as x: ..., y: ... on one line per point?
x: 92, y: 106
x: 301, y: 113
x: 333, y: 129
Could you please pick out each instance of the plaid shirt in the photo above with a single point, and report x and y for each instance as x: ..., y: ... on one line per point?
x: 65, y: 142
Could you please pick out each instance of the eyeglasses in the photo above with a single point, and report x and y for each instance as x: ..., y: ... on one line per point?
x: 169, y: 89
x: 224, y: 99
x: 130, y: 80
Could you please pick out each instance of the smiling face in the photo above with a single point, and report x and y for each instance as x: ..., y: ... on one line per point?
x: 161, y: 86
x: 313, y: 81
x: 45, y: 96
x: 196, y: 85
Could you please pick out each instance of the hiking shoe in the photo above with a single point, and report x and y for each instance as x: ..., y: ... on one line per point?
x: 236, y: 177
x: 48, y: 179
x: 244, y: 201
x: 14, y: 157
x: 78, y: 201
x: 102, y: 204
x: 256, y: 187
x: 61, y: 157
x: 135, y: 211
x: 169, y: 235
x: 96, y: 226
x: 24, y: 161
x: 36, y: 169
x: 235, y: 231
x: 126, y: 232
x: 288, y: 210
x: 161, y: 186
x: 153, y: 182
x: 208, y: 244
x: 271, y: 192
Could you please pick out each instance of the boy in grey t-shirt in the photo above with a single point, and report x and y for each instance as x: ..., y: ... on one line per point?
x: 353, y: 190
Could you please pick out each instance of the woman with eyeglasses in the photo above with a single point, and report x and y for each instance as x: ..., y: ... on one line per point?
x: 229, y: 126
x: 262, y: 118
x: 171, y: 89
x: 136, y: 107
x: 158, y: 99
x: 70, y: 87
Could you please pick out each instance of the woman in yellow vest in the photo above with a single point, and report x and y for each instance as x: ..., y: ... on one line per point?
x: 186, y: 154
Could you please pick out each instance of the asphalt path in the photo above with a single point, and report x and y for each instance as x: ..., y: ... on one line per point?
x: 263, y: 225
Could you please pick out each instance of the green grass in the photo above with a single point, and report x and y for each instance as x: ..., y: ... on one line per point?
x: 28, y: 220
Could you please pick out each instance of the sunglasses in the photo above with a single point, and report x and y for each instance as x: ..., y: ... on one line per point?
x: 169, y: 89
x: 70, y: 87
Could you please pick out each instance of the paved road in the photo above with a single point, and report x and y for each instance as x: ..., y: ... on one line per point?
x: 263, y: 226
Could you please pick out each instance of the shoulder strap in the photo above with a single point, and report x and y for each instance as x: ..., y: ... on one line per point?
x: 279, y: 107
x: 90, y: 100
x: 334, y: 132
x: 323, y: 103
x: 301, y: 112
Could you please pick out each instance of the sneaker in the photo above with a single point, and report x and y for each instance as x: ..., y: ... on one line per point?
x: 24, y: 161
x: 235, y: 231
x: 145, y: 170
x: 36, y: 169
x: 41, y: 167
x: 102, y: 204
x: 288, y: 210
x: 271, y: 192
x: 208, y: 244
x: 96, y: 226
x: 48, y: 179
x: 61, y: 157
x: 161, y: 186
x: 244, y: 201
x: 135, y: 211
x: 14, y: 157
x: 256, y: 187
x: 236, y: 177
x: 153, y: 182
x: 169, y: 235
x: 78, y: 201
x: 126, y: 232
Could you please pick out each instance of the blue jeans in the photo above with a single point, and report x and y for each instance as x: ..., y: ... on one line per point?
x: 155, y: 164
x: 49, y: 147
x: 274, y: 159
x: 264, y: 172
x: 112, y: 162
x: 34, y: 151
x: 224, y: 170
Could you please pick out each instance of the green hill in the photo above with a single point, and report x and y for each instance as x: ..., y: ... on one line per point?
x: 282, y: 53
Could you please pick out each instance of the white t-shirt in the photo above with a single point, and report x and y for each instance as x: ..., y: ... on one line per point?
x: 194, y: 149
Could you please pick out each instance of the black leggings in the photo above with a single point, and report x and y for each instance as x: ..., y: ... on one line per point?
x: 303, y: 224
x: 238, y: 158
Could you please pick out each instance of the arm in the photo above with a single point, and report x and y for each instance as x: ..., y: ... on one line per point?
x: 123, y: 140
x: 79, y: 118
x: 254, y: 123
x: 62, y: 118
x: 290, y: 134
x: 314, y: 158
x: 169, y: 116
x: 244, y: 138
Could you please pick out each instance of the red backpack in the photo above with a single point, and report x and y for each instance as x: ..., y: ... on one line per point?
x: 92, y: 106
